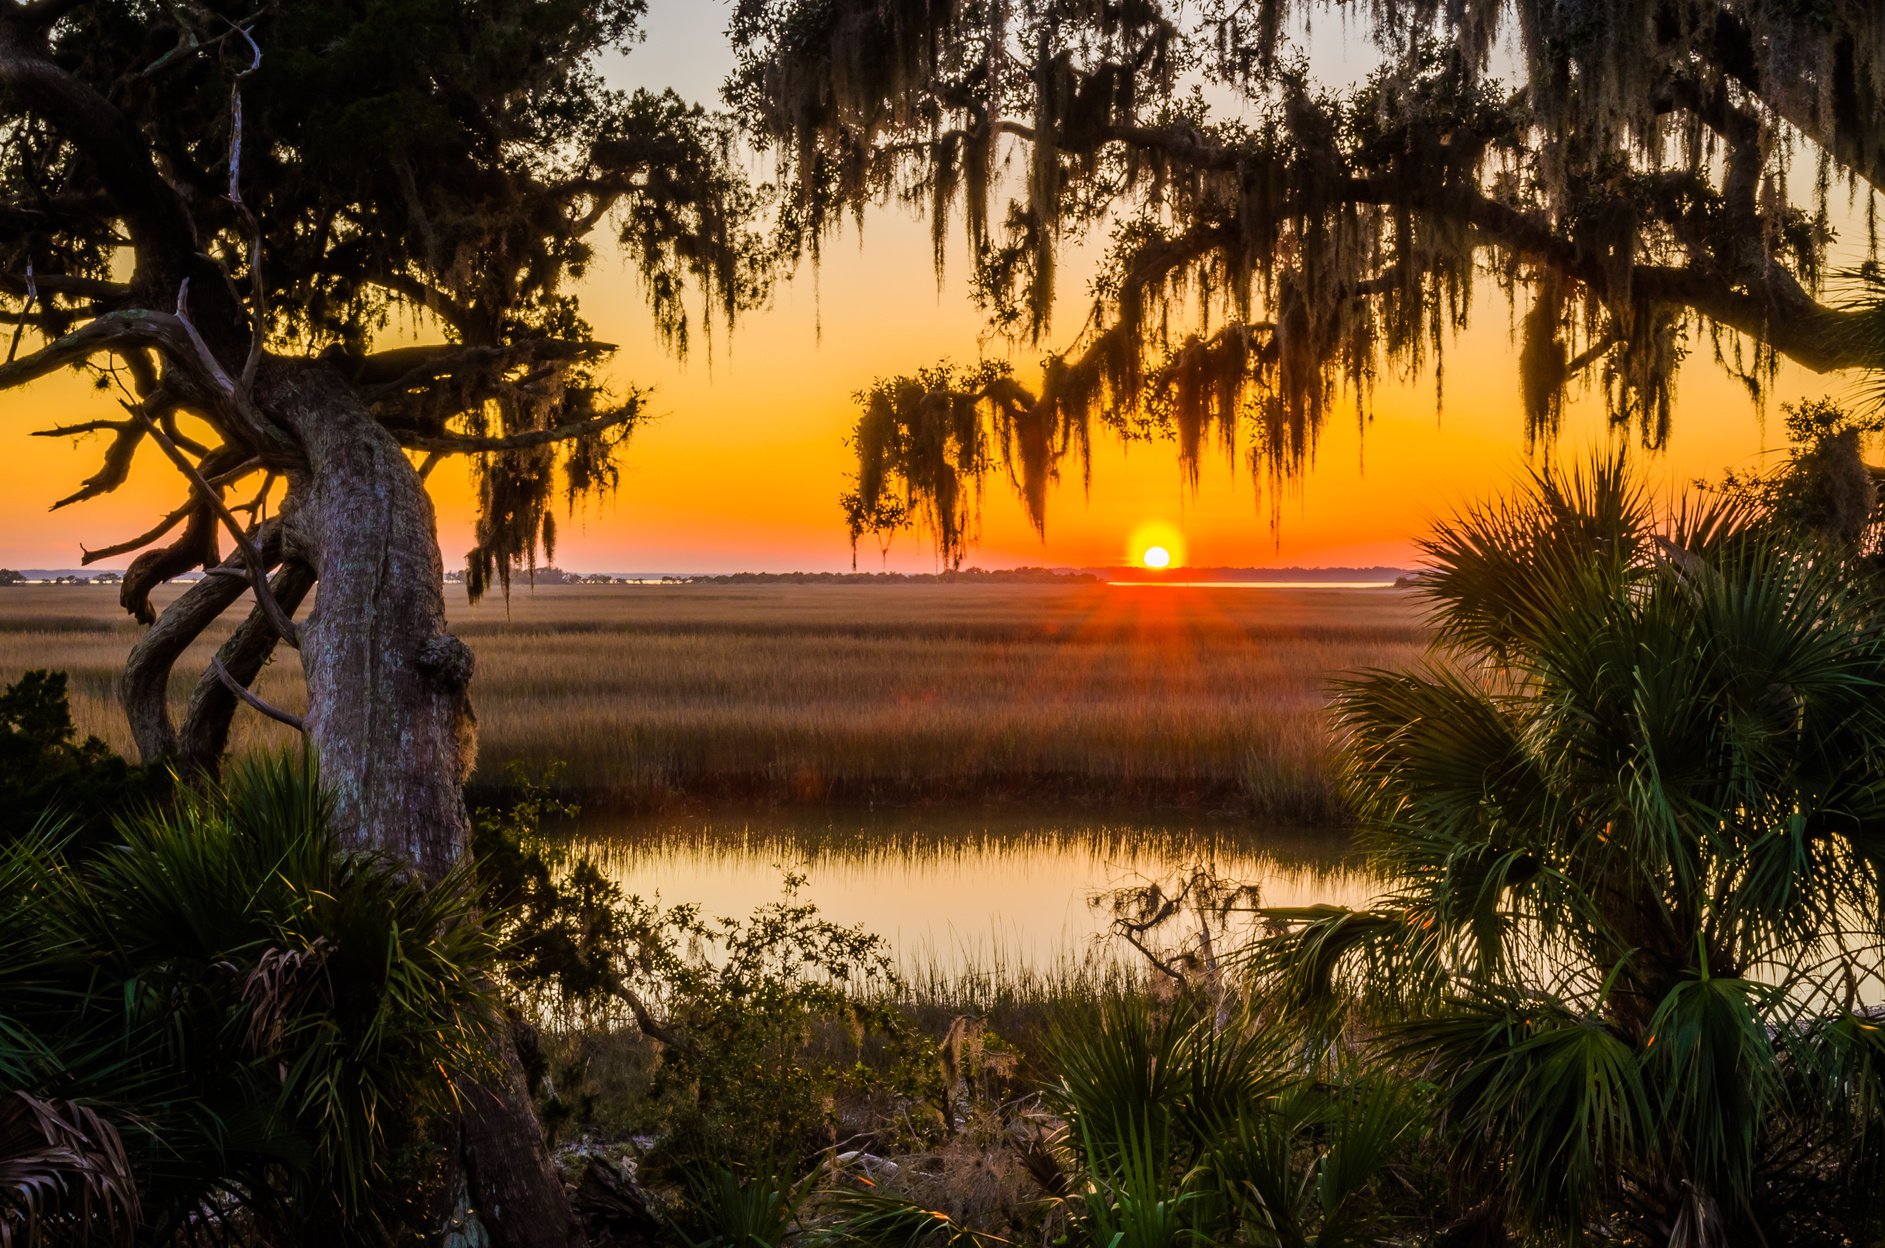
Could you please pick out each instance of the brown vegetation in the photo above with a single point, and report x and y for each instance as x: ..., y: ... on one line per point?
x: 1205, y: 697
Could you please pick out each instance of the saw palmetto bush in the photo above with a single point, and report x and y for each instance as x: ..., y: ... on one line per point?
x: 1181, y: 1131
x: 221, y: 1025
x: 1634, y: 810
x: 1159, y: 1128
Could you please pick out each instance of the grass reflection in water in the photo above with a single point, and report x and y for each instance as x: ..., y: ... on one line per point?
x: 1009, y: 894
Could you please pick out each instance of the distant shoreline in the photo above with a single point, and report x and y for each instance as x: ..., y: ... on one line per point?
x: 1124, y: 575
x: 1127, y: 574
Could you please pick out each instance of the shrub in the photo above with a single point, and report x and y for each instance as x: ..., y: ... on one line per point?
x: 1632, y: 814
x: 765, y: 1028
x: 268, y: 1025
x: 43, y: 768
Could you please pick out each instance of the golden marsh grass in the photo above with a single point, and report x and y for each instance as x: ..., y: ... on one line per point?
x: 1159, y: 695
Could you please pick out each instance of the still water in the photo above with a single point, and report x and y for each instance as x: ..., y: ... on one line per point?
x: 953, y: 892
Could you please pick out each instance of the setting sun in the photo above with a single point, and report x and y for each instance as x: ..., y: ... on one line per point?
x: 1155, y: 544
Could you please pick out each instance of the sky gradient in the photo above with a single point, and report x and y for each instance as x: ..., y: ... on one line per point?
x: 742, y: 463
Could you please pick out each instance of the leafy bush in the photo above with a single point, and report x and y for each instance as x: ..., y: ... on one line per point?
x: 1162, y: 1129
x: 765, y: 1028
x: 776, y: 1022
x: 44, y: 768
x: 1183, y: 1131
x: 258, y: 1026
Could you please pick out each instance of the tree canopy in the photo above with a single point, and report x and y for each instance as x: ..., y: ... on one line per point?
x: 447, y: 188
x: 1645, y: 180
x: 301, y: 243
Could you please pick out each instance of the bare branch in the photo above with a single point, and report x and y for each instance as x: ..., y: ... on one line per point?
x: 241, y: 691
x: 144, y: 687
x: 432, y: 299
x: 194, y: 548
x: 258, y: 290
x: 465, y: 443
x: 258, y: 574
x: 167, y: 417
x: 405, y: 367
x: 115, y: 469
x: 205, y: 732
x: 120, y: 332
x: 205, y: 357
x: 93, y: 288
x: 142, y: 540
x: 80, y: 429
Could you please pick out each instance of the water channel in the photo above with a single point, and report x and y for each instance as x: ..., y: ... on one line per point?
x: 954, y: 891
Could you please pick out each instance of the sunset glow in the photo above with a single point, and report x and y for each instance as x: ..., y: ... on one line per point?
x: 1157, y: 557
x: 744, y: 453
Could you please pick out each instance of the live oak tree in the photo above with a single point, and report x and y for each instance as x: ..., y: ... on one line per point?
x: 306, y: 251
x: 1657, y: 178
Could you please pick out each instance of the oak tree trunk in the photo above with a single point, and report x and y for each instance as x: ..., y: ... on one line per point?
x: 391, y: 721
x: 387, y: 705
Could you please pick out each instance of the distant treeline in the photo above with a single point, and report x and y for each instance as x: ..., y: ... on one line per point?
x: 1308, y: 576
x: 1000, y: 576
x: 1006, y: 576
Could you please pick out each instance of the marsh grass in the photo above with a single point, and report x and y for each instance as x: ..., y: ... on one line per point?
x: 1207, y: 698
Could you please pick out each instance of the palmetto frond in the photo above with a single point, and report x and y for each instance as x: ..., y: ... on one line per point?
x: 1632, y: 813
x: 1555, y: 1095
x: 260, y: 1017
x: 64, y: 1176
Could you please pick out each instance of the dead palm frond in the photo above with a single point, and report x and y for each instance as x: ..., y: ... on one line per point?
x: 64, y: 1175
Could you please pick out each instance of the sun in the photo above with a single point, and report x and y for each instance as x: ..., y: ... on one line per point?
x: 1154, y: 545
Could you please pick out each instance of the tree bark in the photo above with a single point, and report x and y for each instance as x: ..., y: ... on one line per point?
x: 513, y: 1185
x: 205, y: 732
x: 390, y: 718
x: 387, y: 706
x: 144, y: 688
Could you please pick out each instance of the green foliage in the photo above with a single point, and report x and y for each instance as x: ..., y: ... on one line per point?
x: 766, y: 1025
x: 1825, y: 491
x: 44, y: 770
x: 560, y: 921
x: 728, y: 1209
x: 776, y: 1020
x: 1631, y: 812
x: 271, y: 1026
x: 1186, y: 1132
x: 924, y: 443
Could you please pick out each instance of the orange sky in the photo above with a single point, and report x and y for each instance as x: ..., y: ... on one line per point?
x: 742, y: 466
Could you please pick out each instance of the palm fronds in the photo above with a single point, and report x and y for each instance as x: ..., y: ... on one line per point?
x: 1647, y: 766
x: 253, y: 1019
x: 64, y: 1176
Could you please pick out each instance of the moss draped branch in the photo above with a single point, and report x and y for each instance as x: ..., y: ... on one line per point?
x: 1631, y: 193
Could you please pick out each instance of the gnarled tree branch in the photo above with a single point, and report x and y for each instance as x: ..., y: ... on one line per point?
x: 205, y: 732
x: 144, y: 688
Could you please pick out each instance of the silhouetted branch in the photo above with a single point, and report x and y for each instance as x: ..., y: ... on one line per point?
x: 463, y: 443
x: 142, y: 540
x: 252, y: 558
x: 405, y: 367
x: 242, y: 691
